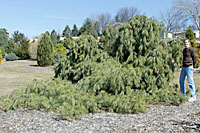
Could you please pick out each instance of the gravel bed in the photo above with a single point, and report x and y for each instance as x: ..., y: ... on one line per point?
x: 159, y: 118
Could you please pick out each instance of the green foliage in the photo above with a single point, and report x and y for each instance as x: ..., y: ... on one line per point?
x: 97, y: 28
x: 2, y: 52
x: 21, y: 49
x: 59, y: 96
x: 66, y: 32
x: 3, y: 38
x: 1, y: 57
x: 45, y: 51
x: 75, y: 31
x: 70, y: 101
x: 88, y: 29
x: 131, y: 67
x: 10, y: 47
x: 175, y: 49
x: 17, y: 36
x: 54, y: 37
x: 139, y: 44
x: 11, y: 57
x: 189, y: 34
x: 80, y: 58
x: 57, y: 58
x: 60, y: 49
x: 68, y: 42
x: 194, y: 45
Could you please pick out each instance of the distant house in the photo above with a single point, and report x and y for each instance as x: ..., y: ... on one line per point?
x: 196, y: 34
x: 182, y: 34
x: 166, y: 36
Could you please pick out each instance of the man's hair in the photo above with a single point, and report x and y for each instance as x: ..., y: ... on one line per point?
x: 187, y: 40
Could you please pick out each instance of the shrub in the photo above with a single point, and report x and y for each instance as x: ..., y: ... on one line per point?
x: 1, y: 57
x: 57, y: 58
x: 2, y: 52
x: 194, y: 45
x: 136, y: 70
x: 10, y: 47
x: 189, y: 34
x: 11, y: 57
x: 45, y: 51
x: 60, y: 49
x: 21, y: 49
x: 80, y: 58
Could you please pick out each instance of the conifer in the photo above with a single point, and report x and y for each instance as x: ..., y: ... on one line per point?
x: 45, y: 51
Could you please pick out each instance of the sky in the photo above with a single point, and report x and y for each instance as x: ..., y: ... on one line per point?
x: 34, y: 17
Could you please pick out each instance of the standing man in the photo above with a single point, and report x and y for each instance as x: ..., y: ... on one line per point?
x: 189, y: 61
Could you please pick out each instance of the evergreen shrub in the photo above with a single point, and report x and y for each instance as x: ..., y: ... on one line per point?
x: 45, y: 51
x: 60, y: 49
x: 132, y: 67
x: 57, y: 58
x: 21, y: 49
x: 2, y: 52
x: 194, y: 45
x: 11, y: 57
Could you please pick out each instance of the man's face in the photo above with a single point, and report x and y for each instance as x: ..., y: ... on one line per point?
x: 187, y: 43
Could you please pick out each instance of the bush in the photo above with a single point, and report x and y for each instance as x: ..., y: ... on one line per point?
x: 11, y: 57
x: 136, y: 70
x: 21, y: 49
x: 45, y: 51
x: 2, y: 52
x: 57, y: 58
x: 78, y: 62
x: 194, y: 45
x: 60, y: 49
x: 1, y: 57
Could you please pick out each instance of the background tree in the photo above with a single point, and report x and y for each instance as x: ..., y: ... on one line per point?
x: 21, y: 44
x: 75, y: 31
x: 54, y: 37
x: 66, y: 32
x: 18, y: 36
x: 45, y: 51
x: 174, y: 20
x: 3, y: 38
x: 190, y: 9
x: 103, y: 20
x: 97, y: 27
x: 189, y: 34
x: 124, y: 14
x: 21, y: 48
x: 88, y: 28
x: 10, y: 47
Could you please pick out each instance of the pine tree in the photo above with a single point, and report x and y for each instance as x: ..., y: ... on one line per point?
x: 75, y: 31
x: 3, y: 38
x: 189, y: 34
x: 54, y: 37
x: 45, y: 51
x: 138, y: 43
x: 66, y: 32
x: 97, y: 28
x: 88, y: 29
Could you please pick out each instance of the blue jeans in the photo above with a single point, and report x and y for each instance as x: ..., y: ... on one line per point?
x: 187, y: 71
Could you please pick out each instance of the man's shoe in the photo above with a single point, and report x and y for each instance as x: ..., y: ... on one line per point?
x: 192, y: 99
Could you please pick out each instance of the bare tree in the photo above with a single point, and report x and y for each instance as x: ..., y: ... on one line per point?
x: 104, y: 19
x: 189, y: 8
x: 174, y: 20
x: 124, y: 14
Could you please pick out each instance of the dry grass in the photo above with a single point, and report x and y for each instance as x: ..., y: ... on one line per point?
x: 13, y: 75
